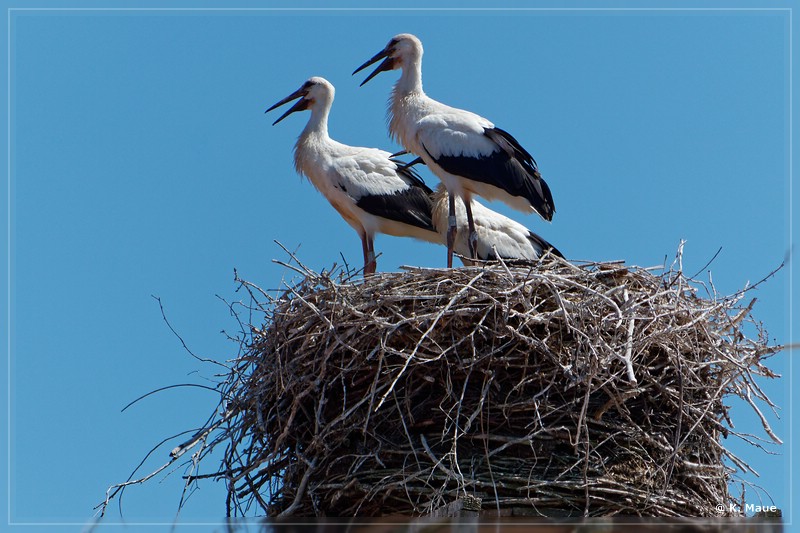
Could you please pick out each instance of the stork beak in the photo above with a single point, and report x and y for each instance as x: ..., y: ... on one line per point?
x: 388, y: 64
x: 301, y: 104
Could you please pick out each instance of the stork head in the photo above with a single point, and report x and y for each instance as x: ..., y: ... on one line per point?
x: 401, y: 51
x: 314, y: 92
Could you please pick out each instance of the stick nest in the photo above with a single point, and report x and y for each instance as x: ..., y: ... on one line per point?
x: 544, y: 389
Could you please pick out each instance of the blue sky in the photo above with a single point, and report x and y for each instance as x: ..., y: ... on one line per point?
x: 141, y: 163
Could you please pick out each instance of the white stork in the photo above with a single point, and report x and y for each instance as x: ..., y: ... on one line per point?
x: 372, y: 192
x: 497, y: 236
x: 468, y: 153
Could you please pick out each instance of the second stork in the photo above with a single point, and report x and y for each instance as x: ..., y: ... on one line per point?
x: 372, y: 192
x: 469, y: 154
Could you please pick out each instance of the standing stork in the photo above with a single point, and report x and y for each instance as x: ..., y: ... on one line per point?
x: 468, y: 153
x: 497, y: 236
x: 372, y: 192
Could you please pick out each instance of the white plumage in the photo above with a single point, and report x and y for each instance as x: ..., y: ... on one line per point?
x: 467, y: 152
x: 372, y: 192
x: 497, y: 235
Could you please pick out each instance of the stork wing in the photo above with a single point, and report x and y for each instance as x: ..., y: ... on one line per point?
x: 542, y: 245
x: 413, y: 178
x: 501, y: 236
x: 539, y: 244
x: 386, y: 188
x: 489, y: 155
x: 410, y: 206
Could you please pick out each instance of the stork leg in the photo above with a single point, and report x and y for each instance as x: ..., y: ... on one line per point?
x: 373, y: 263
x: 451, y: 229
x: 369, y: 254
x: 473, y: 235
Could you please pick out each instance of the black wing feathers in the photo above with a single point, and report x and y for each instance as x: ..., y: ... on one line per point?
x: 412, y: 206
x: 539, y: 243
x: 511, y: 168
x: 405, y: 170
x: 521, y: 152
x: 543, y: 245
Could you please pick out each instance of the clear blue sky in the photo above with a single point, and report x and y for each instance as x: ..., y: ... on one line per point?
x: 141, y: 163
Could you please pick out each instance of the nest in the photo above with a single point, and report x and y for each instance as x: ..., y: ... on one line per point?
x: 539, y: 389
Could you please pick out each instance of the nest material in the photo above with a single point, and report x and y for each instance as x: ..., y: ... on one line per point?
x: 544, y: 389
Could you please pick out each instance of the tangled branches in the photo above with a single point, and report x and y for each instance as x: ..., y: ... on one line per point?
x: 546, y: 389
x: 538, y: 389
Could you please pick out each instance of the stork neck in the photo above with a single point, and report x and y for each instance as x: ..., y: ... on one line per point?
x: 411, y: 79
x: 318, y: 123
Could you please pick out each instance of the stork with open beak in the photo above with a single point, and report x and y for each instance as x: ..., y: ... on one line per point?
x: 372, y: 192
x: 469, y: 154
